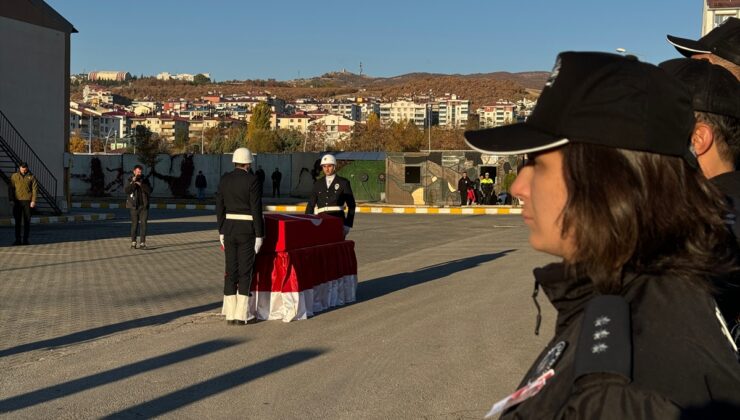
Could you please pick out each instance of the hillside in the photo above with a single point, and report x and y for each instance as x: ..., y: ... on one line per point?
x: 479, y: 88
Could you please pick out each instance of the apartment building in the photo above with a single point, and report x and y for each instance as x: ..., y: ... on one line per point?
x: 502, y: 113
x: 717, y: 11
x: 404, y: 110
x: 453, y: 112
x: 298, y: 122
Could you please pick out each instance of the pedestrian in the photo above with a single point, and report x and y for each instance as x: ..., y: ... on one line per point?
x: 610, y: 187
x: 715, y: 141
x: 201, y: 184
x: 471, y: 196
x: 462, y: 187
x: 277, y: 176
x: 261, y: 178
x: 477, y: 190
x: 22, y: 192
x: 486, y: 185
x: 720, y: 46
x: 332, y: 194
x: 138, y: 189
x: 241, y: 233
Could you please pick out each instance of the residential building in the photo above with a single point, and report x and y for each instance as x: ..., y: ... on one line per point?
x: 34, y: 81
x: 717, y: 11
x: 198, y: 126
x: 298, y: 122
x: 367, y: 108
x: 335, y: 127
x: 453, y: 112
x: 96, y: 95
x: 348, y: 110
x: 115, y: 76
x: 167, y: 127
x: 502, y: 113
x: 404, y: 110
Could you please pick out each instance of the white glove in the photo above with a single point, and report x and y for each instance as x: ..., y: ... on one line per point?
x: 258, y: 244
x: 346, y: 230
x: 221, y: 239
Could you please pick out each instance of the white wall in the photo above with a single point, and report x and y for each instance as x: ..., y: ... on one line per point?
x: 32, y: 83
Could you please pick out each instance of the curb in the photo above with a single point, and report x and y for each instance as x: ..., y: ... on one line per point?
x: 43, y: 220
x: 301, y: 209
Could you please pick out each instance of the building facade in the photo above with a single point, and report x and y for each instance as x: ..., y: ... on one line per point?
x: 717, y: 11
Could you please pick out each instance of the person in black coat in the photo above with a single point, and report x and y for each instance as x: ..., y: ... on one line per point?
x: 331, y: 194
x: 462, y: 187
x: 201, y: 184
x: 277, y: 176
x: 138, y: 189
x: 618, y: 196
x: 241, y: 232
x: 261, y: 178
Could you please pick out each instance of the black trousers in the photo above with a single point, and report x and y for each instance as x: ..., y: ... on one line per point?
x: 138, y: 218
x: 487, y: 196
x: 239, y: 250
x: 463, y: 198
x: 22, y: 216
x: 275, y: 189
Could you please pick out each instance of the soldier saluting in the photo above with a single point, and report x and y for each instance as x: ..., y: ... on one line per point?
x: 241, y: 232
x: 332, y: 193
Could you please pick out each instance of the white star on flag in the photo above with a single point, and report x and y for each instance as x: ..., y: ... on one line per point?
x: 601, y: 321
x: 601, y: 334
x: 599, y: 348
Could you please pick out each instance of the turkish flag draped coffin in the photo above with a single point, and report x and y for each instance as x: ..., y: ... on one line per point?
x: 293, y: 231
x: 305, y: 266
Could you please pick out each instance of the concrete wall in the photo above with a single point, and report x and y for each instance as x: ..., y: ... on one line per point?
x: 104, y: 175
x: 32, y: 91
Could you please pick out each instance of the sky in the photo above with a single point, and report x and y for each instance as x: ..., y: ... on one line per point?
x: 283, y: 40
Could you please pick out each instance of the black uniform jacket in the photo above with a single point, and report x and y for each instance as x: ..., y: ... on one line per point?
x: 683, y: 364
x: 239, y: 193
x: 338, y: 193
x: 727, y: 291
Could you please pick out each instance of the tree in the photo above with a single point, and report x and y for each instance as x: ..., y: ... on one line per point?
x: 264, y: 141
x: 201, y: 79
x: 146, y: 146
x: 77, y: 144
x: 260, y: 119
x: 316, y: 138
x: 290, y: 140
x: 181, y: 141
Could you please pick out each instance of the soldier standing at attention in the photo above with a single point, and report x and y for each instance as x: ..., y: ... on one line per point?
x: 332, y: 193
x: 241, y: 232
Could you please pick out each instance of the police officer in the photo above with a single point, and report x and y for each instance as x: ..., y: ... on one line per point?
x: 332, y: 193
x: 486, y: 185
x: 241, y: 232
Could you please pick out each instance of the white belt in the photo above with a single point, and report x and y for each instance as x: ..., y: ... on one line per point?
x: 328, y: 208
x: 234, y: 216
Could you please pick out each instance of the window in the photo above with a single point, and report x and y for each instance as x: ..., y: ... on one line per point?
x: 720, y: 19
x: 412, y: 175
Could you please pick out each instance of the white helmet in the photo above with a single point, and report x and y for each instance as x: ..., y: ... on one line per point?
x: 242, y: 155
x: 328, y: 160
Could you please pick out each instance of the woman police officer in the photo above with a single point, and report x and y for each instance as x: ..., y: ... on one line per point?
x: 610, y: 186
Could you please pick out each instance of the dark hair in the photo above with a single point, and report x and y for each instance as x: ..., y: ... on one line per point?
x: 138, y: 167
x: 726, y: 131
x: 642, y: 212
x: 23, y: 165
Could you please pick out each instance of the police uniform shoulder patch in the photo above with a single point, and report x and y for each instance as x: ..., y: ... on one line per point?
x: 552, y: 357
x: 605, y: 341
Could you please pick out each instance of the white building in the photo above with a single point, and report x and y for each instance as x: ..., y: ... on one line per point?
x: 348, y: 110
x: 717, y: 11
x: 334, y: 127
x: 453, y: 112
x: 34, y: 94
x: 404, y: 110
x: 502, y: 113
x: 96, y: 95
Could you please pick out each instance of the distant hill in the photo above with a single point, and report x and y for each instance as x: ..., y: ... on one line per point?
x: 481, y: 89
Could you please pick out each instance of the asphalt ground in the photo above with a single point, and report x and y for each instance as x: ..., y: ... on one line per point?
x: 442, y: 328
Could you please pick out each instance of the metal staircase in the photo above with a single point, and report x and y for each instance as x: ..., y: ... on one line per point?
x: 13, y: 151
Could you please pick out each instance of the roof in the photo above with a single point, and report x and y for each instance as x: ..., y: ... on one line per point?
x: 360, y: 156
x: 35, y: 12
x: 718, y: 4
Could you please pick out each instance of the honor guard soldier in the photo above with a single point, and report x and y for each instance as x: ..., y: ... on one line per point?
x: 241, y: 232
x: 331, y: 194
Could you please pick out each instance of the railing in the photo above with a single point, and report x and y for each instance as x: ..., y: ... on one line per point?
x: 18, y: 150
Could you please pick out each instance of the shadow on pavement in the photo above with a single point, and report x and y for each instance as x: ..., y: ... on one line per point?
x: 107, y: 330
x: 375, y: 288
x: 103, y: 378
x: 213, y: 386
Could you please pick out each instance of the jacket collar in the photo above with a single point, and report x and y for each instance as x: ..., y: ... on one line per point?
x: 567, y: 293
